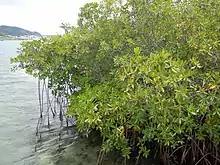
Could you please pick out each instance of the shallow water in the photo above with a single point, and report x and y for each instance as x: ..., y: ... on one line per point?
x: 18, y: 109
x: 19, y: 113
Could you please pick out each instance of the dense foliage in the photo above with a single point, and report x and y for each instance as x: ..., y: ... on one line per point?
x: 149, y: 73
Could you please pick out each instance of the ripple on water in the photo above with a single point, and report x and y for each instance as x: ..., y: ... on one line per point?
x: 18, y: 118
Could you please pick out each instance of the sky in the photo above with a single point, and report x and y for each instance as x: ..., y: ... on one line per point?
x: 44, y: 16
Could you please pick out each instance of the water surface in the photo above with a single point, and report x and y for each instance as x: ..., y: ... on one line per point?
x: 18, y: 109
x: 19, y: 114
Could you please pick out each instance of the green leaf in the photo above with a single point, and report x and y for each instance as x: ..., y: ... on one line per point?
x: 137, y: 51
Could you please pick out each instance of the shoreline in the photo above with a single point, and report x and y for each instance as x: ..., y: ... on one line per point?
x: 7, y: 39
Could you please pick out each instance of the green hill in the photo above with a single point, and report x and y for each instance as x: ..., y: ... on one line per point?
x: 16, y: 31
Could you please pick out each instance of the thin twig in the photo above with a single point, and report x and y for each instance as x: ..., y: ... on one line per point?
x: 203, y: 158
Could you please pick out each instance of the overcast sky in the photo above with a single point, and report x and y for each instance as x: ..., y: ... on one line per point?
x: 44, y: 16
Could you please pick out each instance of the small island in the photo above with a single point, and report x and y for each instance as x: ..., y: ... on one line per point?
x: 17, y: 33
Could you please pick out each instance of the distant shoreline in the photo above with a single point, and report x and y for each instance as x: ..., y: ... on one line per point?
x: 3, y: 38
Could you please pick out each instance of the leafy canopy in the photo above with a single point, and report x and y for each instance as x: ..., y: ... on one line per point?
x: 149, y: 71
